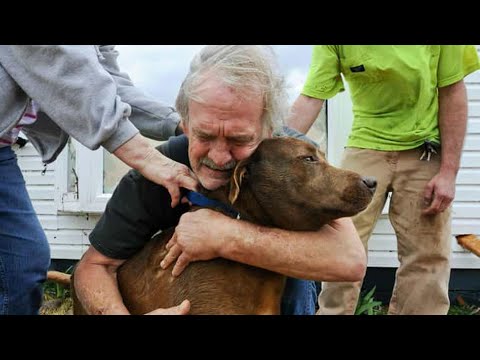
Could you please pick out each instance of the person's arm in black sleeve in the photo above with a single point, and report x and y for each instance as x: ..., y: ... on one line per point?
x: 137, y: 209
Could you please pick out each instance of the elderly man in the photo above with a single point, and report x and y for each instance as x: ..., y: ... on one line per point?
x: 231, y: 99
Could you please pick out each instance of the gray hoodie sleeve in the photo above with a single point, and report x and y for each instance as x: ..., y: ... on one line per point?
x: 153, y: 118
x: 73, y: 89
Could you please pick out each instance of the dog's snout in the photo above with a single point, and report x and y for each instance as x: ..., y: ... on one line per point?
x: 371, y: 182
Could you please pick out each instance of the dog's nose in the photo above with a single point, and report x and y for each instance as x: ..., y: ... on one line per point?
x: 371, y: 182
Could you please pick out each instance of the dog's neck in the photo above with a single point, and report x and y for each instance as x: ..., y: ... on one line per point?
x: 204, y: 201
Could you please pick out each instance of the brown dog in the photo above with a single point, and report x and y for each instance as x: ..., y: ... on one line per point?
x: 286, y: 183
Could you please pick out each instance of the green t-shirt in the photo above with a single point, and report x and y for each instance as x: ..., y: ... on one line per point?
x: 394, y: 88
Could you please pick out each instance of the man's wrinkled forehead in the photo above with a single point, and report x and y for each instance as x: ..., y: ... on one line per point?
x: 210, y: 86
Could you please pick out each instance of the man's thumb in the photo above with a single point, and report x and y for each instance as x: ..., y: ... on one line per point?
x: 183, y: 308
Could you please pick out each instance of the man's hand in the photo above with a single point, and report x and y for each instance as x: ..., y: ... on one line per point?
x: 199, y: 235
x: 439, y: 193
x: 182, y: 309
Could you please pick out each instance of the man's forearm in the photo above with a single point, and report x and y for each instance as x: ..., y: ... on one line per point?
x: 334, y: 253
x: 453, y: 111
x: 96, y: 288
x: 304, y: 112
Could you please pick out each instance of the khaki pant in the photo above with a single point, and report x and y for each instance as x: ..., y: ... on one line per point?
x: 423, y: 242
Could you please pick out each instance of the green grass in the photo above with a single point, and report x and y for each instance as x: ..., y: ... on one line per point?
x: 56, y: 298
x: 462, y: 308
x: 367, y: 305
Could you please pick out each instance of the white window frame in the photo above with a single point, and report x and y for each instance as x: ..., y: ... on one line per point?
x: 89, y: 197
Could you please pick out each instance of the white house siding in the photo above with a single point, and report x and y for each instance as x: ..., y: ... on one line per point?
x: 68, y: 233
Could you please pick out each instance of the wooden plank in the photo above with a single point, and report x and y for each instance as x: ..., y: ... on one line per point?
x: 69, y: 252
x: 33, y: 163
x: 459, y: 226
x: 36, y: 178
x: 474, y: 109
x: 473, y: 126
x: 467, y: 198
x: 465, y: 226
x: 41, y: 192
x: 473, y: 78
x: 473, y: 92
x: 472, y: 142
x: 467, y: 193
x: 382, y: 259
x: 468, y: 177
x: 465, y: 260
x: 389, y: 259
x: 466, y: 210
x: 383, y: 227
x: 27, y: 150
x: 48, y: 222
x: 382, y: 243
x: 67, y: 221
x: 470, y: 160
x: 45, y: 207
x: 389, y: 243
x: 66, y: 237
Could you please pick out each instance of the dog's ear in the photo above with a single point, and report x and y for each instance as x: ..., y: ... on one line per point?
x: 236, y: 180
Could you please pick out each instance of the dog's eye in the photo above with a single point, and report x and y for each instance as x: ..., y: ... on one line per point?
x: 309, y: 159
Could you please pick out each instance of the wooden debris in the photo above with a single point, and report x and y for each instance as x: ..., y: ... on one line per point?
x: 469, y: 242
x: 59, y: 277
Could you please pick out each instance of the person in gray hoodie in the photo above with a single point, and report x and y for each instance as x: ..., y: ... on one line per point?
x: 52, y: 92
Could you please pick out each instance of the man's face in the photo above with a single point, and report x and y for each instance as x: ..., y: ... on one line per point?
x: 222, y: 130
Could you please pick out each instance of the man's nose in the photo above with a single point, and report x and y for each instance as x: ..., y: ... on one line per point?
x: 220, y: 154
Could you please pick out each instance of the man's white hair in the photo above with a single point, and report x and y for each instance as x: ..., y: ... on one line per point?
x: 251, y: 70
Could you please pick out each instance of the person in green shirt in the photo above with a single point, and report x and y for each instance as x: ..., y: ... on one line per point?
x: 410, y: 116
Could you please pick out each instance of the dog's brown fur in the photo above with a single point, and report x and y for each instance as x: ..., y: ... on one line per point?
x: 286, y: 183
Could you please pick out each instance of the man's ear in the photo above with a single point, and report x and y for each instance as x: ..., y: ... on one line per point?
x: 181, y: 126
x: 236, y: 180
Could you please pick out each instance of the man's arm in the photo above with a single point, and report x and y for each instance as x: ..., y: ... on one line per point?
x: 104, y: 298
x: 304, y: 112
x: 453, y: 109
x: 96, y: 287
x: 334, y: 253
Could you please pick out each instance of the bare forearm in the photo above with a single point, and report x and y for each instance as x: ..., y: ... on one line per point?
x: 304, y: 112
x: 453, y: 123
x: 153, y: 165
x: 96, y: 288
x: 334, y: 253
x: 138, y: 152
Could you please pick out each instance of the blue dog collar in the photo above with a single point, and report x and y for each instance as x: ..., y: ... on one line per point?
x: 201, y: 200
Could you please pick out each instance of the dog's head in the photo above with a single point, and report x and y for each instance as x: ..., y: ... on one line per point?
x: 288, y: 183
